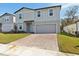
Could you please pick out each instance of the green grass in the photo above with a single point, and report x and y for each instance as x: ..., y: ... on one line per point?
x: 9, y: 37
x: 68, y: 43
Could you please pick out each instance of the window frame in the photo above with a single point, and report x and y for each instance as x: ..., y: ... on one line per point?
x: 38, y: 13
x: 50, y: 12
x: 6, y: 20
x: 20, y: 27
x: 20, y: 16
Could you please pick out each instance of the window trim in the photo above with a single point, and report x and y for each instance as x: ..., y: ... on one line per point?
x: 38, y: 13
x: 6, y: 20
x: 50, y: 12
x: 20, y: 16
x: 20, y: 27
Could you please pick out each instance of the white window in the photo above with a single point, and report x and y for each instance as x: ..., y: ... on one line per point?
x: 38, y: 14
x: 50, y: 12
x: 20, y: 16
x: 6, y: 20
x: 20, y: 27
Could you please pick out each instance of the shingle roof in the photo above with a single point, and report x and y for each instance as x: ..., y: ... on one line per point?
x: 38, y: 8
x: 48, y: 7
x: 23, y: 8
x: 6, y: 14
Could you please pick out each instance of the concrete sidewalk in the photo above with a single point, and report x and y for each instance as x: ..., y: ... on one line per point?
x: 11, y: 50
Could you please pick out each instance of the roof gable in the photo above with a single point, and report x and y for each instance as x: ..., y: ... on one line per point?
x: 22, y: 9
x: 6, y: 14
x: 48, y: 7
x: 37, y: 8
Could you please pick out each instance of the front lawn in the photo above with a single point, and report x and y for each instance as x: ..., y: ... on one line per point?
x: 68, y: 43
x: 9, y: 37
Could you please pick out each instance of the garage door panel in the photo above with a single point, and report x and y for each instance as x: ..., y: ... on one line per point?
x: 7, y: 27
x: 46, y: 28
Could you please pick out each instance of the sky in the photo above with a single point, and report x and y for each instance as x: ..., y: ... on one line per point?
x: 12, y: 7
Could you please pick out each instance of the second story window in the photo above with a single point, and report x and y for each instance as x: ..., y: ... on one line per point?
x: 50, y: 12
x: 38, y: 14
x: 6, y: 20
x: 20, y: 16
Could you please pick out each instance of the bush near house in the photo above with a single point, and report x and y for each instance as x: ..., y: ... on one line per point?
x: 68, y: 43
x: 10, y: 37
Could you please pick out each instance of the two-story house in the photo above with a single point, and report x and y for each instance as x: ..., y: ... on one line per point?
x: 7, y: 22
x: 41, y: 20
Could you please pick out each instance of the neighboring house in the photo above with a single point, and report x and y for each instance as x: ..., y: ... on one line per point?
x: 77, y: 26
x: 7, y: 22
x: 41, y: 20
x: 71, y: 29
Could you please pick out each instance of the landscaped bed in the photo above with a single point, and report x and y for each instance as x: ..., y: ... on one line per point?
x: 68, y: 43
x: 10, y: 37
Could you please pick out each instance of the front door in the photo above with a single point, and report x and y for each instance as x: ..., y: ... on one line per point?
x: 29, y: 27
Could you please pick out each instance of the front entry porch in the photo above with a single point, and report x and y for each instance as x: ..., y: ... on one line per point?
x: 29, y: 26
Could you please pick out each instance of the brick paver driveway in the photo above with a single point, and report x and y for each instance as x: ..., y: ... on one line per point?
x: 42, y: 41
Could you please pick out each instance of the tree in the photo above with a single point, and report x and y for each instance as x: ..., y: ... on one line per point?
x: 63, y: 23
x: 71, y: 12
x: 70, y: 16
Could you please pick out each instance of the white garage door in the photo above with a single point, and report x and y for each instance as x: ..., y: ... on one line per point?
x: 46, y: 28
x: 7, y: 27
